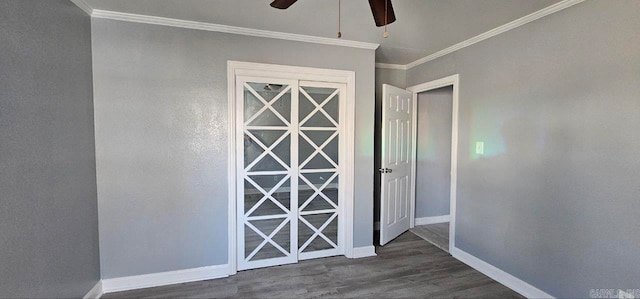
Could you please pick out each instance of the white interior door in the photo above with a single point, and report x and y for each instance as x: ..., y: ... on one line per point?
x: 397, y: 110
x: 290, y: 139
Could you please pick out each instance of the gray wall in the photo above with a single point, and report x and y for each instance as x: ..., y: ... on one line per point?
x: 396, y: 78
x: 433, y: 152
x: 161, y: 139
x: 48, y: 206
x: 554, y: 200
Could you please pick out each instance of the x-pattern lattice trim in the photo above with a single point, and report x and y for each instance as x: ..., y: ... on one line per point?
x: 267, y: 104
x: 266, y: 195
x: 268, y: 239
x: 319, y: 107
x: 318, y: 232
x: 267, y: 150
x: 318, y: 149
x: 318, y: 191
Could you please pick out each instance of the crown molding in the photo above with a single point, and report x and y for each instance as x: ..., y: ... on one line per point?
x: 84, y: 6
x: 136, y: 18
x: 498, y: 30
x: 391, y: 66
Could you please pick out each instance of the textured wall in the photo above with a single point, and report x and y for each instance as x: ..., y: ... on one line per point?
x: 161, y: 139
x: 396, y: 78
x: 554, y: 200
x: 48, y: 206
x: 433, y: 152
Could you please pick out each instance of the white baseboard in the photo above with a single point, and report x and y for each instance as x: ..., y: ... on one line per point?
x: 164, y: 278
x: 498, y: 275
x: 95, y: 292
x: 432, y: 220
x: 364, y: 251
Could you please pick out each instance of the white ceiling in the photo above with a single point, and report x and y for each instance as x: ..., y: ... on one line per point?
x: 423, y: 26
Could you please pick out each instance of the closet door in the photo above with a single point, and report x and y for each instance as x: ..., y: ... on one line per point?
x: 267, y: 125
x: 319, y: 170
x: 289, y: 198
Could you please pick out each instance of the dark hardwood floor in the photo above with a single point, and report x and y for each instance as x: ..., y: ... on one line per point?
x: 407, y: 267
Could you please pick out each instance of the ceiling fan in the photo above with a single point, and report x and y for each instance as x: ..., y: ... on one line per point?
x: 382, y: 11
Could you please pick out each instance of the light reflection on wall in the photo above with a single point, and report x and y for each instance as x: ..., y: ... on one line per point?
x: 487, y: 128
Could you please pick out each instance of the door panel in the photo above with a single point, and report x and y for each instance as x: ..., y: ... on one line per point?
x: 396, y: 162
x: 266, y: 220
x: 319, y: 167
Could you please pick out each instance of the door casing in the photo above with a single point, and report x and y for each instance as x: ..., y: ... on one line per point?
x: 237, y: 68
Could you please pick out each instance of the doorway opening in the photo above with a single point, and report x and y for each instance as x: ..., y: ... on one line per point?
x: 433, y: 165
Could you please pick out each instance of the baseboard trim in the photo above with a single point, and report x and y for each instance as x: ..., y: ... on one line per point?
x: 498, y: 275
x: 432, y: 220
x: 364, y: 251
x: 164, y: 278
x: 95, y: 292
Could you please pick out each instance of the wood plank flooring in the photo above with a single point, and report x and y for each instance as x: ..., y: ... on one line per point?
x: 436, y: 234
x: 406, y: 267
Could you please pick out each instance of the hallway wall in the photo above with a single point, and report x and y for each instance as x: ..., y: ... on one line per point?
x: 48, y: 205
x: 433, y: 152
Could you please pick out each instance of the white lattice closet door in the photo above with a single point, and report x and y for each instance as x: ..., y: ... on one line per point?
x: 320, y: 171
x: 266, y: 178
x: 288, y: 171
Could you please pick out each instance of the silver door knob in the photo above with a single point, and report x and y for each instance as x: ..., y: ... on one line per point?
x: 385, y: 170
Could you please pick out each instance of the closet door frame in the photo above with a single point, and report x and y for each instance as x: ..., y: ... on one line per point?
x: 347, y: 153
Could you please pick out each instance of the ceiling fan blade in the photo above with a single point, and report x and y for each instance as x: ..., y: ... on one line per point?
x: 282, y: 4
x: 377, y: 8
